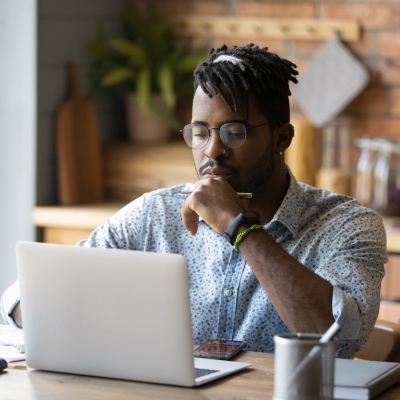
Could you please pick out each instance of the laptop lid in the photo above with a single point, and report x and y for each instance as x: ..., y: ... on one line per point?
x: 109, y: 313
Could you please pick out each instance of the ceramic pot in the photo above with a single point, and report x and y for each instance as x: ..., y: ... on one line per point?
x: 145, y: 126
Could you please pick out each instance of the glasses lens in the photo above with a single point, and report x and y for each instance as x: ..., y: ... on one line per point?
x: 195, y: 135
x: 233, y: 134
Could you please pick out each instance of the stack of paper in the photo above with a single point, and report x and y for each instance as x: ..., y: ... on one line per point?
x: 11, y: 343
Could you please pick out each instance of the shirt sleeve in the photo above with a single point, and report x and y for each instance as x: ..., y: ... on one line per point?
x: 121, y: 231
x: 8, y: 301
x: 354, y: 265
x: 347, y: 314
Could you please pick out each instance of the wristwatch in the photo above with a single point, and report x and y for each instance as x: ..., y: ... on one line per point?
x: 246, y: 217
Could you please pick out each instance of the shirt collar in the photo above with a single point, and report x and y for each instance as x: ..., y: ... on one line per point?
x: 288, y: 213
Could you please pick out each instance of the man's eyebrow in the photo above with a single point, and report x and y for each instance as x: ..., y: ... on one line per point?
x: 233, y: 121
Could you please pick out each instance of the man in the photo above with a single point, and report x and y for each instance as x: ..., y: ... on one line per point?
x: 290, y: 258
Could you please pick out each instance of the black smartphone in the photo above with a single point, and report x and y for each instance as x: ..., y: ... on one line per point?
x: 220, y: 349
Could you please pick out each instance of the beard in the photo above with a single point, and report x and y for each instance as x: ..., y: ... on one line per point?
x: 257, y: 174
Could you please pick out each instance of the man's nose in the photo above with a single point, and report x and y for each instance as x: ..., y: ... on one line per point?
x: 215, y: 147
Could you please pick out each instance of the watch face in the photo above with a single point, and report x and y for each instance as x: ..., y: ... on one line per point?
x: 251, y: 214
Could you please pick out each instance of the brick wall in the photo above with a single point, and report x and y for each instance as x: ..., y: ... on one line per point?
x: 376, y: 112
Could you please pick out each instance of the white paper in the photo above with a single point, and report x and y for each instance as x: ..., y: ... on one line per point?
x: 10, y: 356
x: 11, y: 343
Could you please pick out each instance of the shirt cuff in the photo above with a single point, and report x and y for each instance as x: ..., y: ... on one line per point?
x: 347, y: 314
x: 9, y: 300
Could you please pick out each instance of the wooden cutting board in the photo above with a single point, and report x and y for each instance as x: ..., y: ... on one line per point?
x: 80, y: 171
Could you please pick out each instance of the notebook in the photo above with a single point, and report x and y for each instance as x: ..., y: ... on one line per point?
x: 110, y: 313
x: 363, y: 380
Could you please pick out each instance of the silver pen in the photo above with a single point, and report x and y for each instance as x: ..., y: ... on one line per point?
x: 240, y: 194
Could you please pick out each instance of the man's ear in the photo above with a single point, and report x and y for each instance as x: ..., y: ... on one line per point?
x: 283, y: 137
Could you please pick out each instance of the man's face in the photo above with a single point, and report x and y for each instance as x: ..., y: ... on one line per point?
x: 246, y: 168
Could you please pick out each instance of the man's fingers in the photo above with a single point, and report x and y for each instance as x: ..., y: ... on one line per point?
x: 190, y: 219
x: 215, y: 201
x: 245, y: 202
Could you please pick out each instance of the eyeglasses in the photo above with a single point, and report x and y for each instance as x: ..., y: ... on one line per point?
x: 232, y: 134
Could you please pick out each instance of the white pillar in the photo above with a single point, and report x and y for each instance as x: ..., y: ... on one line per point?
x: 18, y: 43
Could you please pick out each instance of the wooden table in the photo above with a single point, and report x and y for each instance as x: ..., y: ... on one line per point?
x: 21, y: 383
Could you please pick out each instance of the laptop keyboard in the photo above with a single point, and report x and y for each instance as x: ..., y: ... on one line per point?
x: 202, y: 372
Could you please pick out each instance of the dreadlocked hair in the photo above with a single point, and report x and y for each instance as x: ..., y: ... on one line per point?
x: 255, y: 70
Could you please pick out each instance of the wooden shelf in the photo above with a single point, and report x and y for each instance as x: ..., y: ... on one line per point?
x: 132, y: 169
x: 86, y: 216
x: 268, y: 28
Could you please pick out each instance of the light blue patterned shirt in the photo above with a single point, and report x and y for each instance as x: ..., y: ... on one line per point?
x: 330, y: 234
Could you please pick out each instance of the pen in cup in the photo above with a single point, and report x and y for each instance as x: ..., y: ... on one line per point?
x: 240, y: 194
x: 326, y: 337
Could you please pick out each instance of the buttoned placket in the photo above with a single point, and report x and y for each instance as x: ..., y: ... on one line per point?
x: 229, y: 296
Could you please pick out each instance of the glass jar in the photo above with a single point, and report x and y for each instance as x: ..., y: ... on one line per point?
x: 386, y: 194
x: 364, y: 178
x: 335, y: 172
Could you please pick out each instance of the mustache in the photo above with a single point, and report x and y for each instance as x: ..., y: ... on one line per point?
x: 217, y: 164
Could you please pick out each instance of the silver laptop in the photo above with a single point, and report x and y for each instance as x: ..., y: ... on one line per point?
x: 110, y: 313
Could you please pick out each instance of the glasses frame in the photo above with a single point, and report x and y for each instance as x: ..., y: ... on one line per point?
x: 219, y: 131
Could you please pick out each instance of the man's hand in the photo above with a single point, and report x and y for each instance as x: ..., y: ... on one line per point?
x: 216, y: 202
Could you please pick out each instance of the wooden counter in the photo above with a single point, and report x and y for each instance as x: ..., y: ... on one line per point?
x: 393, y: 242
x: 86, y: 217
x: 70, y: 224
x: 392, y: 226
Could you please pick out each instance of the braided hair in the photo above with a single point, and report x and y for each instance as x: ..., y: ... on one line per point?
x: 244, y: 69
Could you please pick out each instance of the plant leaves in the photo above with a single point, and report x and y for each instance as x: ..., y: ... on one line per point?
x: 118, y: 75
x: 189, y: 62
x: 131, y: 50
x: 164, y: 114
x: 143, y: 88
x: 146, y: 58
x: 180, y: 48
x: 165, y: 79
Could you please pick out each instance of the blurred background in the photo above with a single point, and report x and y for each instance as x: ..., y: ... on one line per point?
x: 76, y: 76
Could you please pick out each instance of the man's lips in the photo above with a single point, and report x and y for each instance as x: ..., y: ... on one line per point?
x: 216, y: 173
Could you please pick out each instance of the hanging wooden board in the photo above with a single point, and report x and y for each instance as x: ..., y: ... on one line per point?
x: 268, y: 28
x: 80, y: 171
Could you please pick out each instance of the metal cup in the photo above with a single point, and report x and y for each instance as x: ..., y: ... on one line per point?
x: 304, y: 367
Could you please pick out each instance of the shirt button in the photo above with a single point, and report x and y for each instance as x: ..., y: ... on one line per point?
x: 228, y: 292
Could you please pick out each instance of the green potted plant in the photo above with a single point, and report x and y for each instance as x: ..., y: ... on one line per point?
x: 151, y: 67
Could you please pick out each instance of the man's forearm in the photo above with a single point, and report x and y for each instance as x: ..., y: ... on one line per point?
x: 302, y: 298
x: 16, y: 315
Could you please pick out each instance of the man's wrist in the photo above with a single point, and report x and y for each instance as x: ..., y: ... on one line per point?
x: 240, y: 223
x: 242, y: 228
x: 243, y: 235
